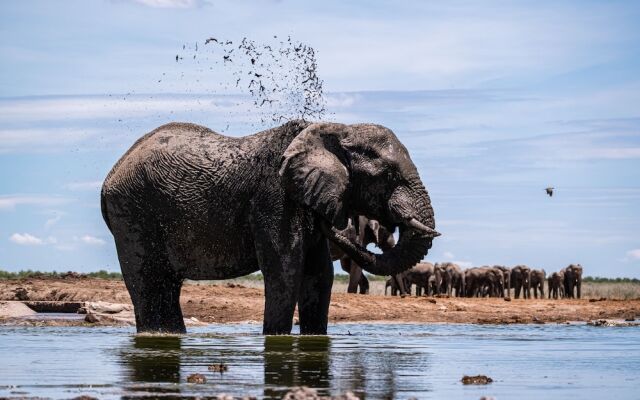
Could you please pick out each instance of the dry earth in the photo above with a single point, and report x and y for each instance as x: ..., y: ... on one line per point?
x: 233, y: 302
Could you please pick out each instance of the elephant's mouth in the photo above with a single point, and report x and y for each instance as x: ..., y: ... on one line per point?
x: 414, y: 242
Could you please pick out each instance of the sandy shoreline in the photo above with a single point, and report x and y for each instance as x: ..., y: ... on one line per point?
x: 234, y: 303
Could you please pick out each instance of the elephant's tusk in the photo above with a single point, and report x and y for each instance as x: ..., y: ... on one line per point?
x: 414, y: 223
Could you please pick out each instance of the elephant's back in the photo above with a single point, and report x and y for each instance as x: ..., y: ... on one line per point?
x: 154, y: 152
x: 422, y: 268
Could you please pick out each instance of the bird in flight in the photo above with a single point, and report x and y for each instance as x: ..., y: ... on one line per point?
x: 549, y: 191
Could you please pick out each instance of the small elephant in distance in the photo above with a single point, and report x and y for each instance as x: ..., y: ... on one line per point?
x: 398, y: 284
x: 556, y: 284
x: 185, y: 202
x: 520, y: 280
x: 364, y: 231
x: 537, y: 277
x: 506, y: 272
x: 484, y: 281
x: 572, y: 280
x: 423, y: 275
x: 451, y: 278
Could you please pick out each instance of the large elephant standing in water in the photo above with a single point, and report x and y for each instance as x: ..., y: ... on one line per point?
x: 185, y: 202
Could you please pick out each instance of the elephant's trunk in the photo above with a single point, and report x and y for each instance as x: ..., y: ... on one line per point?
x: 412, y: 206
x: 410, y: 249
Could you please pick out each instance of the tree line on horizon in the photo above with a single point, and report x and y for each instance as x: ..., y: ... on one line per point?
x: 104, y: 274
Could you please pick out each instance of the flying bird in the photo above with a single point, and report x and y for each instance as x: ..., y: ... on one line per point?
x: 549, y: 191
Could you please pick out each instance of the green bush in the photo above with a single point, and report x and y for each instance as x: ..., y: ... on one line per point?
x: 24, y: 274
x: 598, y: 279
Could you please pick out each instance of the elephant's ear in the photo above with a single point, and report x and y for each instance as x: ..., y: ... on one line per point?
x: 315, y: 172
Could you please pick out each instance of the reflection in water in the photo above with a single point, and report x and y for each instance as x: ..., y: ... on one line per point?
x: 380, y: 372
x: 382, y: 369
x: 296, y: 361
x: 379, y: 361
x: 153, y: 359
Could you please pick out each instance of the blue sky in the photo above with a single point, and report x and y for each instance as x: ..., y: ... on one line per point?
x: 495, y: 100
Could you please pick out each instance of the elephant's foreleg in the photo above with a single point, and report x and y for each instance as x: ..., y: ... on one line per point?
x: 280, y: 292
x: 282, y: 277
x: 315, y: 291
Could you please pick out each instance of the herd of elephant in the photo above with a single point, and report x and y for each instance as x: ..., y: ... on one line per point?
x: 448, y: 278
x: 497, y: 281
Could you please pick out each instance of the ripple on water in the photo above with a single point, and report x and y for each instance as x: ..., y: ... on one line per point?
x: 372, y: 360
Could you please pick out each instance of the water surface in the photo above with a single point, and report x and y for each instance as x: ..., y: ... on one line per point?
x: 375, y: 361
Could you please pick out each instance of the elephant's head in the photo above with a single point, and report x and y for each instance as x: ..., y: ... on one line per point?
x: 340, y: 170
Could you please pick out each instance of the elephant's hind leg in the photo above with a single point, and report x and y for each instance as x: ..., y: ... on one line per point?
x: 315, y: 291
x: 157, y: 304
x: 153, y: 286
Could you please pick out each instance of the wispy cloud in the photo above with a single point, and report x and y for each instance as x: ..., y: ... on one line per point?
x: 26, y: 239
x: 168, y: 3
x: 64, y: 108
x: 84, y: 186
x: 92, y: 240
x: 52, y: 221
x: 632, y: 255
x: 11, y: 201
x: 43, y: 139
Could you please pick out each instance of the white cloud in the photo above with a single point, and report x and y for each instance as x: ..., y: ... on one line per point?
x: 168, y: 3
x: 84, y: 186
x: 92, y: 240
x: 42, y: 139
x: 448, y: 255
x: 25, y: 239
x: 633, y: 255
x: 464, y: 264
x: 77, y: 108
x: 10, y: 202
x: 52, y: 221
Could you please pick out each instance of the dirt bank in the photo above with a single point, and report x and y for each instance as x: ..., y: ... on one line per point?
x: 236, y: 302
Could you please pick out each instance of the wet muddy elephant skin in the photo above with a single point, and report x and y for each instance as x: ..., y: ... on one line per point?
x: 185, y: 202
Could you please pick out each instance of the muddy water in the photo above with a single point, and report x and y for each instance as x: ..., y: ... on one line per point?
x: 374, y: 361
